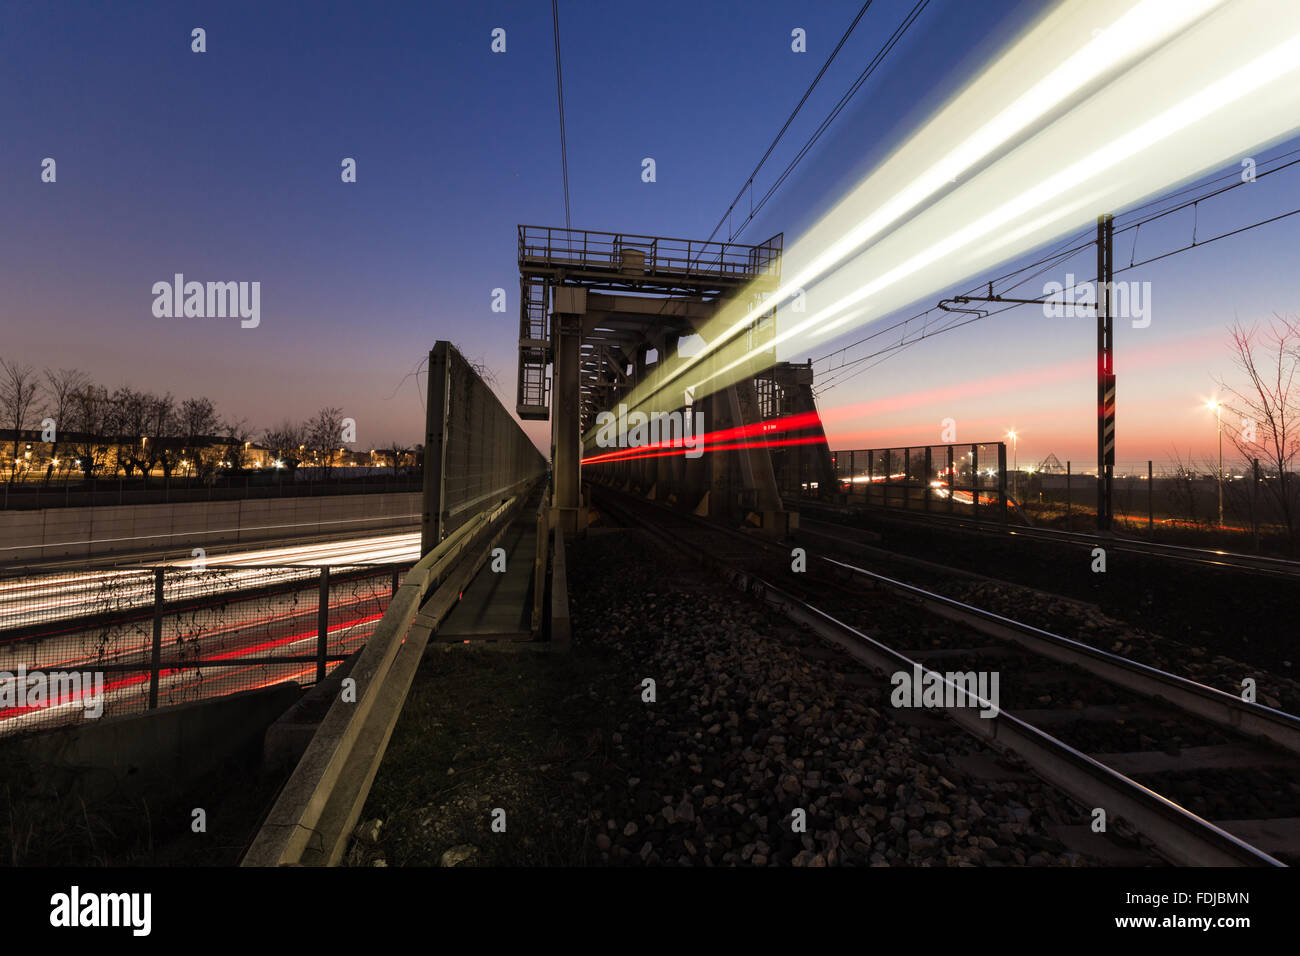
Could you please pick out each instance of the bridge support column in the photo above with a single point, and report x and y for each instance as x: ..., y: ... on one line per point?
x: 568, y: 514
x: 756, y: 463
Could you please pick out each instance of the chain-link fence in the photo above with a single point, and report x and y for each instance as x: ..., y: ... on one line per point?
x: 1248, y: 504
x: 79, y: 645
x: 968, y: 480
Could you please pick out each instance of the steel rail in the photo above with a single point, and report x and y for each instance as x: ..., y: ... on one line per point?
x: 1234, y: 560
x: 1179, y: 835
x: 1216, y: 706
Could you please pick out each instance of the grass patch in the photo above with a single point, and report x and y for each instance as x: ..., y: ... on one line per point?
x: 488, y: 728
x: 47, y: 820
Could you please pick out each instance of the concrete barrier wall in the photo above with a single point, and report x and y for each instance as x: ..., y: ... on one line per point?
x: 159, y: 750
x: 62, y: 533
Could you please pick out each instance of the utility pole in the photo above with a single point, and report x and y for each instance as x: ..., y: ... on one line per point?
x: 1105, y: 363
x: 1105, y: 373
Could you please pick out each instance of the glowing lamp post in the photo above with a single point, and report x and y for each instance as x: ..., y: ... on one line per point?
x: 1218, y: 414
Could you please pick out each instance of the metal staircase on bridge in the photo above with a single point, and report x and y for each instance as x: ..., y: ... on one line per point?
x: 533, y: 398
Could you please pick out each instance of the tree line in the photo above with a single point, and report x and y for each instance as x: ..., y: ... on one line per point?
x: 133, y: 431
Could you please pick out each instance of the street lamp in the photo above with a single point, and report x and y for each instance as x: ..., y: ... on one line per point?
x: 1015, y: 458
x: 1218, y: 414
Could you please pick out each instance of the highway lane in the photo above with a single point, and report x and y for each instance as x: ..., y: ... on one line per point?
x: 209, y: 640
x: 216, y: 554
x: 206, y: 652
x: 31, y: 601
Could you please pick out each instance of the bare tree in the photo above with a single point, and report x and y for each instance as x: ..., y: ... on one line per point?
x: 92, y: 425
x: 199, y: 425
x: 60, y: 385
x: 324, y: 434
x: 286, y: 442
x: 1269, y: 404
x: 164, y: 445
x: 239, y: 437
x: 395, y: 452
x: 131, y: 409
x: 480, y: 367
x: 19, y: 387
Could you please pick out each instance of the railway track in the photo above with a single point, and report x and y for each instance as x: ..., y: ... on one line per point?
x: 1261, y: 565
x: 1205, y: 777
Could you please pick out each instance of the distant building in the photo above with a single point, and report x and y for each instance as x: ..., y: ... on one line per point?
x: 1051, y: 465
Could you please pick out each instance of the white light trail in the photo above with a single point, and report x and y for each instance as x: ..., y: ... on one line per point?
x: 40, y: 599
x: 1085, y: 122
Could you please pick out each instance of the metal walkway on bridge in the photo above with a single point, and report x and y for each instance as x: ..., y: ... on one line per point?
x: 498, y: 605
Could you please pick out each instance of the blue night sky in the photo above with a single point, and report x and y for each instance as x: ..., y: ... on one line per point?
x: 225, y: 166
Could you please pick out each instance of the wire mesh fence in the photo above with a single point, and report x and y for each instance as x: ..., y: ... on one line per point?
x: 1246, y: 506
x: 81, y: 645
x: 967, y: 479
x: 1170, y: 498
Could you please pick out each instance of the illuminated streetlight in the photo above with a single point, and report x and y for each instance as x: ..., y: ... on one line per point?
x: 1218, y: 414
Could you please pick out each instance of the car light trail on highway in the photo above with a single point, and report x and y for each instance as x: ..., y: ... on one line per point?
x: 192, y: 681
x: 28, y: 601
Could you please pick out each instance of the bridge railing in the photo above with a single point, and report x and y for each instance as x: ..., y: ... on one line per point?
x: 583, y: 248
x: 479, y: 468
x: 319, y: 805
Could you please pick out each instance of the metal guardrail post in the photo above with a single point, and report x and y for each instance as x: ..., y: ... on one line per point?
x: 1002, y: 480
x: 155, y: 661
x: 889, y: 467
x: 871, y: 473
x: 952, y: 481
x: 974, y: 481
x: 1067, y: 495
x: 322, y: 622
x: 929, y: 470
x: 1151, y: 516
x: 907, y: 479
